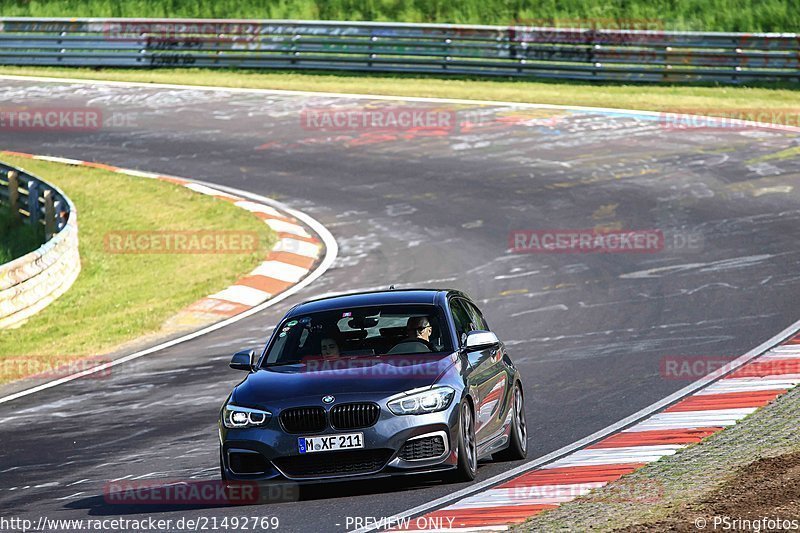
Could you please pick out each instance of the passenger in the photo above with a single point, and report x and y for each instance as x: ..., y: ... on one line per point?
x: 329, y: 348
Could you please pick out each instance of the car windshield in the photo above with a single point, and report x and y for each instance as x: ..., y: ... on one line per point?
x: 360, y: 331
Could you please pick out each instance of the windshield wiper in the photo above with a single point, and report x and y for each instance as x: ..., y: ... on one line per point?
x: 280, y: 363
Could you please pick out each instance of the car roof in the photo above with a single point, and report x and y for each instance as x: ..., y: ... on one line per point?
x: 365, y: 299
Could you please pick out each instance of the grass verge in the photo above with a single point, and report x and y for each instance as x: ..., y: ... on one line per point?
x: 747, y: 471
x: 720, y: 15
x: 724, y: 100
x: 16, y: 238
x: 121, y: 296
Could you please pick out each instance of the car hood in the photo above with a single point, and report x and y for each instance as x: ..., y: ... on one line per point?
x: 385, y: 374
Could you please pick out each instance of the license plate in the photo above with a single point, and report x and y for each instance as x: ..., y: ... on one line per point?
x: 329, y: 443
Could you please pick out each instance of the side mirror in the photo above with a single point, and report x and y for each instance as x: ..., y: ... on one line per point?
x: 243, y: 360
x: 480, y: 340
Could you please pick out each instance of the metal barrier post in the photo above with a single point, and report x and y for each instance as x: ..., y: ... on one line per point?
x: 33, y: 202
x: 49, y: 215
x: 13, y: 193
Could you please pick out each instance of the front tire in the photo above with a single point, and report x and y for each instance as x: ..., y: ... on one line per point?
x: 222, y: 475
x: 518, y: 443
x: 467, y: 445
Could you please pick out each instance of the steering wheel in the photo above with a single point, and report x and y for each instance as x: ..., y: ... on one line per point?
x: 415, y: 345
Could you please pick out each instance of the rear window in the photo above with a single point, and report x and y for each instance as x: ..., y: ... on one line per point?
x: 361, y: 331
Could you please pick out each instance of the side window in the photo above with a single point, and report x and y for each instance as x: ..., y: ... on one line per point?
x: 461, y: 319
x: 476, y: 317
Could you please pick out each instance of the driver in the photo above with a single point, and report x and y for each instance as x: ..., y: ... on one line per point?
x: 419, y: 327
x: 418, y: 334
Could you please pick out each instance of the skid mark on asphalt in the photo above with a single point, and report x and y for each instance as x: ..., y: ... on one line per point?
x: 556, y: 307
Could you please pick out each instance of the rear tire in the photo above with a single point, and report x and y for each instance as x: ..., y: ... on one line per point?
x: 467, y: 447
x: 518, y: 442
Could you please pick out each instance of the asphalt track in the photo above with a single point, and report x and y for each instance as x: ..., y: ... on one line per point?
x: 589, y: 331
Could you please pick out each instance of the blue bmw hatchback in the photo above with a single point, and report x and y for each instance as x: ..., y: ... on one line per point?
x: 374, y: 384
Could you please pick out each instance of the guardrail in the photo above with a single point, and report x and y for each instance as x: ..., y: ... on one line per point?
x: 30, y: 283
x: 519, y: 51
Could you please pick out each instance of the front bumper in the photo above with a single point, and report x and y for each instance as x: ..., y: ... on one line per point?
x: 270, y: 453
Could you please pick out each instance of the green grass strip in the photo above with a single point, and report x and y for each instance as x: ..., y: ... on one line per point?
x: 122, y: 296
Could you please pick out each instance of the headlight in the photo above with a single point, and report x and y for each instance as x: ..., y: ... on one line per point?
x: 234, y: 416
x: 419, y: 403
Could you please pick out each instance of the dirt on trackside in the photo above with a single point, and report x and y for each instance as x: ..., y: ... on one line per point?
x: 762, y: 496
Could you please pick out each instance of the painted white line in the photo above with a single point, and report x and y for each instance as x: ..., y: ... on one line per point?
x: 627, y: 452
x: 788, y: 349
x: 531, y: 495
x: 241, y: 294
x: 58, y: 160
x: 280, y: 270
x: 331, y: 251
x: 356, y: 96
x: 598, y: 435
x: 607, y: 461
x: 139, y: 173
x: 778, y: 377
x: 727, y: 386
x: 258, y: 208
x: 692, y: 419
x: 774, y: 355
x: 202, y: 189
x: 304, y: 248
x: 71, y: 496
x: 286, y: 227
